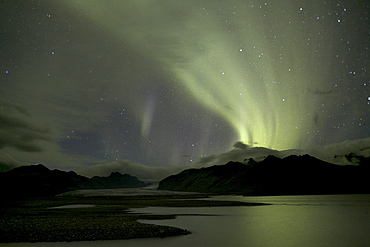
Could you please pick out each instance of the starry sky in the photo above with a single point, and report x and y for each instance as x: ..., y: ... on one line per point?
x: 151, y: 85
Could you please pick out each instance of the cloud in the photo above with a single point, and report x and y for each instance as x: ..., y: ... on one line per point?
x: 336, y: 153
x: 240, y: 152
x: 7, y: 163
x: 17, y: 130
x: 240, y: 145
x: 140, y: 171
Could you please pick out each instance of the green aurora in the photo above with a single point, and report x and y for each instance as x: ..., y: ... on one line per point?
x: 265, y: 67
x: 147, y: 86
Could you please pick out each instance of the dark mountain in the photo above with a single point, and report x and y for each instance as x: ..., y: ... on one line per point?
x: 114, y: 181
x: 215, y: 179
x: 292, y: 175
x: 38, y: 180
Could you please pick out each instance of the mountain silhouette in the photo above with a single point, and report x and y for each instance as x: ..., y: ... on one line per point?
x: 293, y: 175
x: 114, y: 181
x: 38, y: 180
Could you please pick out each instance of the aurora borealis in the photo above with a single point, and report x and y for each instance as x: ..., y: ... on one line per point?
x: 164, y: 83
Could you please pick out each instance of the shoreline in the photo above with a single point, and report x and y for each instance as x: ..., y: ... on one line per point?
x: 35, y: 220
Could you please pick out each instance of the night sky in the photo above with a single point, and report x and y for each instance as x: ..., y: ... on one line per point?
x: 144, y: 86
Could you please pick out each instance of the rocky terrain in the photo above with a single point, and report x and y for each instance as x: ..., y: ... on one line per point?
x: 106, y: 218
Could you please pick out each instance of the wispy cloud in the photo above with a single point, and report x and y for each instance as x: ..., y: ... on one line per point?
x: 18, y: 131
x: 335, y: 153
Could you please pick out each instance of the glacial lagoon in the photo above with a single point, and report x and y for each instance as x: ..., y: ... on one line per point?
x: 323, y: 220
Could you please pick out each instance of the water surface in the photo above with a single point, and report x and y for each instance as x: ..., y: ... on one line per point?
x: 325, y: 220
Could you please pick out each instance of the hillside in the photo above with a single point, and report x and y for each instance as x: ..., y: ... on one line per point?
x: 38, y: 180
x: 273, y: 176
x: 114, y: 181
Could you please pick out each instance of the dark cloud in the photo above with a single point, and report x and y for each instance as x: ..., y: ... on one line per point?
x: 240, y: 145
x: 17, y: 130
x: 83, y: 143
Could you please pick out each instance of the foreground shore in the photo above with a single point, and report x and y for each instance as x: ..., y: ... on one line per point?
x: 106, y: 218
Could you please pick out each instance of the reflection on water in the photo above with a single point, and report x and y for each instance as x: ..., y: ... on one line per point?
x: 334, y: 220
x: 358, y: 199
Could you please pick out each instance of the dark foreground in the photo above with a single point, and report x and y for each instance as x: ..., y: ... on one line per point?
x: 35, y: 220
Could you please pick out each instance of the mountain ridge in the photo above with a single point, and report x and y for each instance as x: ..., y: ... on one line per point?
x: 38, y: 180
x: 272, y: 176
